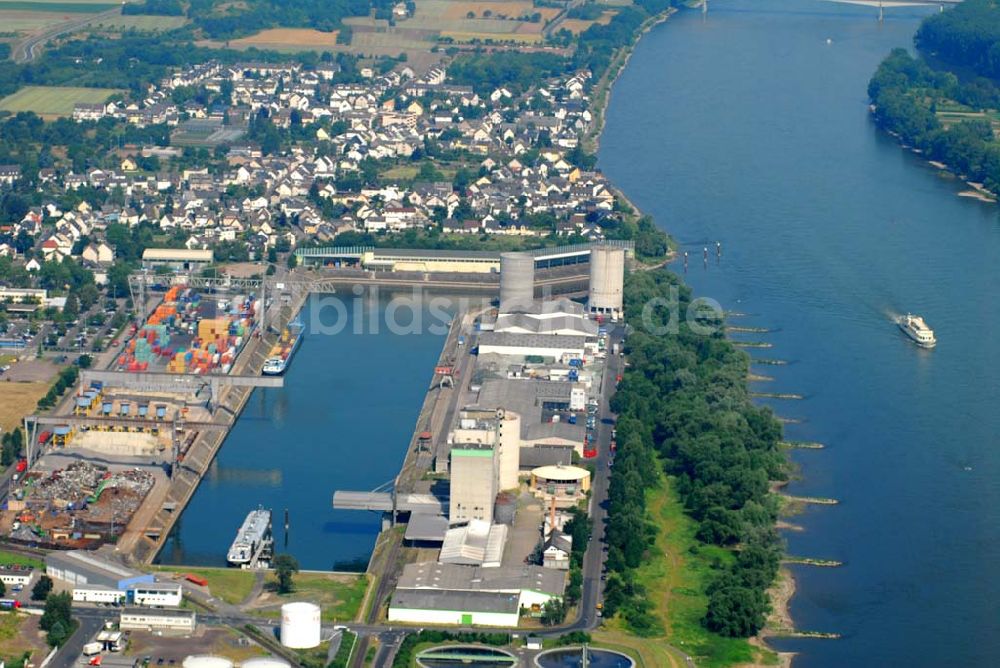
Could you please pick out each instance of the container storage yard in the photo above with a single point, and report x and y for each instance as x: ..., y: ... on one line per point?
x: 189, y: 332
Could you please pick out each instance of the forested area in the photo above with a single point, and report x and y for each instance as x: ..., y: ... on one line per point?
x: 133, y: 61
x: 907, y: 95
x: 486, y: 72
x: 154, y: 7
x: 684, y: 410
x: 223, y: 20
x: 597, y: 44
x: 965, y: 36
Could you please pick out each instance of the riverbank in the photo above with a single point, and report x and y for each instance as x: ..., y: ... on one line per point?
x: 601, y: 97
x: 976, y: 191
x: 689, y: 631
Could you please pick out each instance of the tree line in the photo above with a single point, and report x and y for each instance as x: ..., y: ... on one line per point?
x: 685, y: 411
x: 906, y: 93
x: 965, y: 36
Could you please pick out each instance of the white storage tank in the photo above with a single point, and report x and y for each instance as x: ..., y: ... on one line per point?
x: 300, y: 625
x: 517, y: 281
x: 265, y: 662
x: 206, y: 661
x: 607, y: 279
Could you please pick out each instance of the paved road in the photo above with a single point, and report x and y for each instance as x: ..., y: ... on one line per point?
x: 30, y: 48
x: 67, y: 655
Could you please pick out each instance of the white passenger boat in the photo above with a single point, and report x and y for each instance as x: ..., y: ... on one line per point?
x: 915, y: 328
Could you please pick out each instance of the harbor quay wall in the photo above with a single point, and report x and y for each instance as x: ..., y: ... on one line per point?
x: 148, y: 531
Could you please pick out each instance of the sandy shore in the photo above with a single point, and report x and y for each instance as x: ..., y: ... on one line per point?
x: 779, y: 620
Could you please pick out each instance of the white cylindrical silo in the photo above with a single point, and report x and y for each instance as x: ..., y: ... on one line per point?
x: 265, y: 662
x: 300, y: 625
x: 517, y: 281
x: 206, y: 661
x: 607, y: 279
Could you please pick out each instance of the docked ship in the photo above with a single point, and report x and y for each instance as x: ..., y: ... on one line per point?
x: 915, y: 328
x: 253, y: 543
x: 281, y: 354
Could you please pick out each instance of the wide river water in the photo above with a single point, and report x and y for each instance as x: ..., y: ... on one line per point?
x: 750, y: 128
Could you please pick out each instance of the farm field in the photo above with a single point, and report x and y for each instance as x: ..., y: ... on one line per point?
x: 53, y: 100
x: 451, y: 10
x: 577, y: 26
x: 56, y: 6
x: 297, y: 38
x: 459, y: 20
x: 19, y: 21
x: 27, y: 16
x: 140, y: 22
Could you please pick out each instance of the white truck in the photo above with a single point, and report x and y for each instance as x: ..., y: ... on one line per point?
x: 92, y: 648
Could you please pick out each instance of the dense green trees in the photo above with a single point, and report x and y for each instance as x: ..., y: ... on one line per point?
x: 222, y: 20
x: 285, y: 568
x: 965, y: 36
x: 684, y: 403
x: 13, y: 442
x: 597, y: 44
x: 66, y: 379
x: 907, y: 91
x: 57, y: 620
x: 42, y: 588
x: 155, y: 7
x: 518, y: 71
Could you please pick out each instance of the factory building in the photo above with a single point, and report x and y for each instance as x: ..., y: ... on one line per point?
x: 561, y: 317
x: 477, y: 543
x: 157, y: 594
x: 454, y: 607
x: 474, y: 482
x: 560, y: 348
x: 498, y: 428
x: 16, y: 575
x: 149, y: 595
x: 176, y: 259
x: 80, y: 568
x: 154, y: 619
x: 431, y: 261
x: 96, y: 594
x: 517, y: 282
x: 607, y: 281
x: 534, y: 586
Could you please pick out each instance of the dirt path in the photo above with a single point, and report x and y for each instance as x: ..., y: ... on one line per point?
x: 260, y: 577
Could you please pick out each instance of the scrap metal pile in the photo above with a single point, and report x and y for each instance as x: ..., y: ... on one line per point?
x: 82, y: 503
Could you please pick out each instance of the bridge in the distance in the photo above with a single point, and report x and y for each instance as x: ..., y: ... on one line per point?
x: 883, y: 5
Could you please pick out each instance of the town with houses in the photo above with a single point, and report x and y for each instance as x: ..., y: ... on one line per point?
x: 388, y: 119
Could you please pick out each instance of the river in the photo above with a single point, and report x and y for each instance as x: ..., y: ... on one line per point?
x: 749, y: 128
x: 343, y: 420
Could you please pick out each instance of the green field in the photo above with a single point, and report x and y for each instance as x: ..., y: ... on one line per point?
x: 232, y: 585
x: 339, y: 596
x: 675, y: 575
x: 60, y: 6
x: 14, y: 559
x: 53, y: 100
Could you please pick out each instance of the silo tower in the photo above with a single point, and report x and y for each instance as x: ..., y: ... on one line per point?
x: 517, y: 282
x: 607, y: 280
